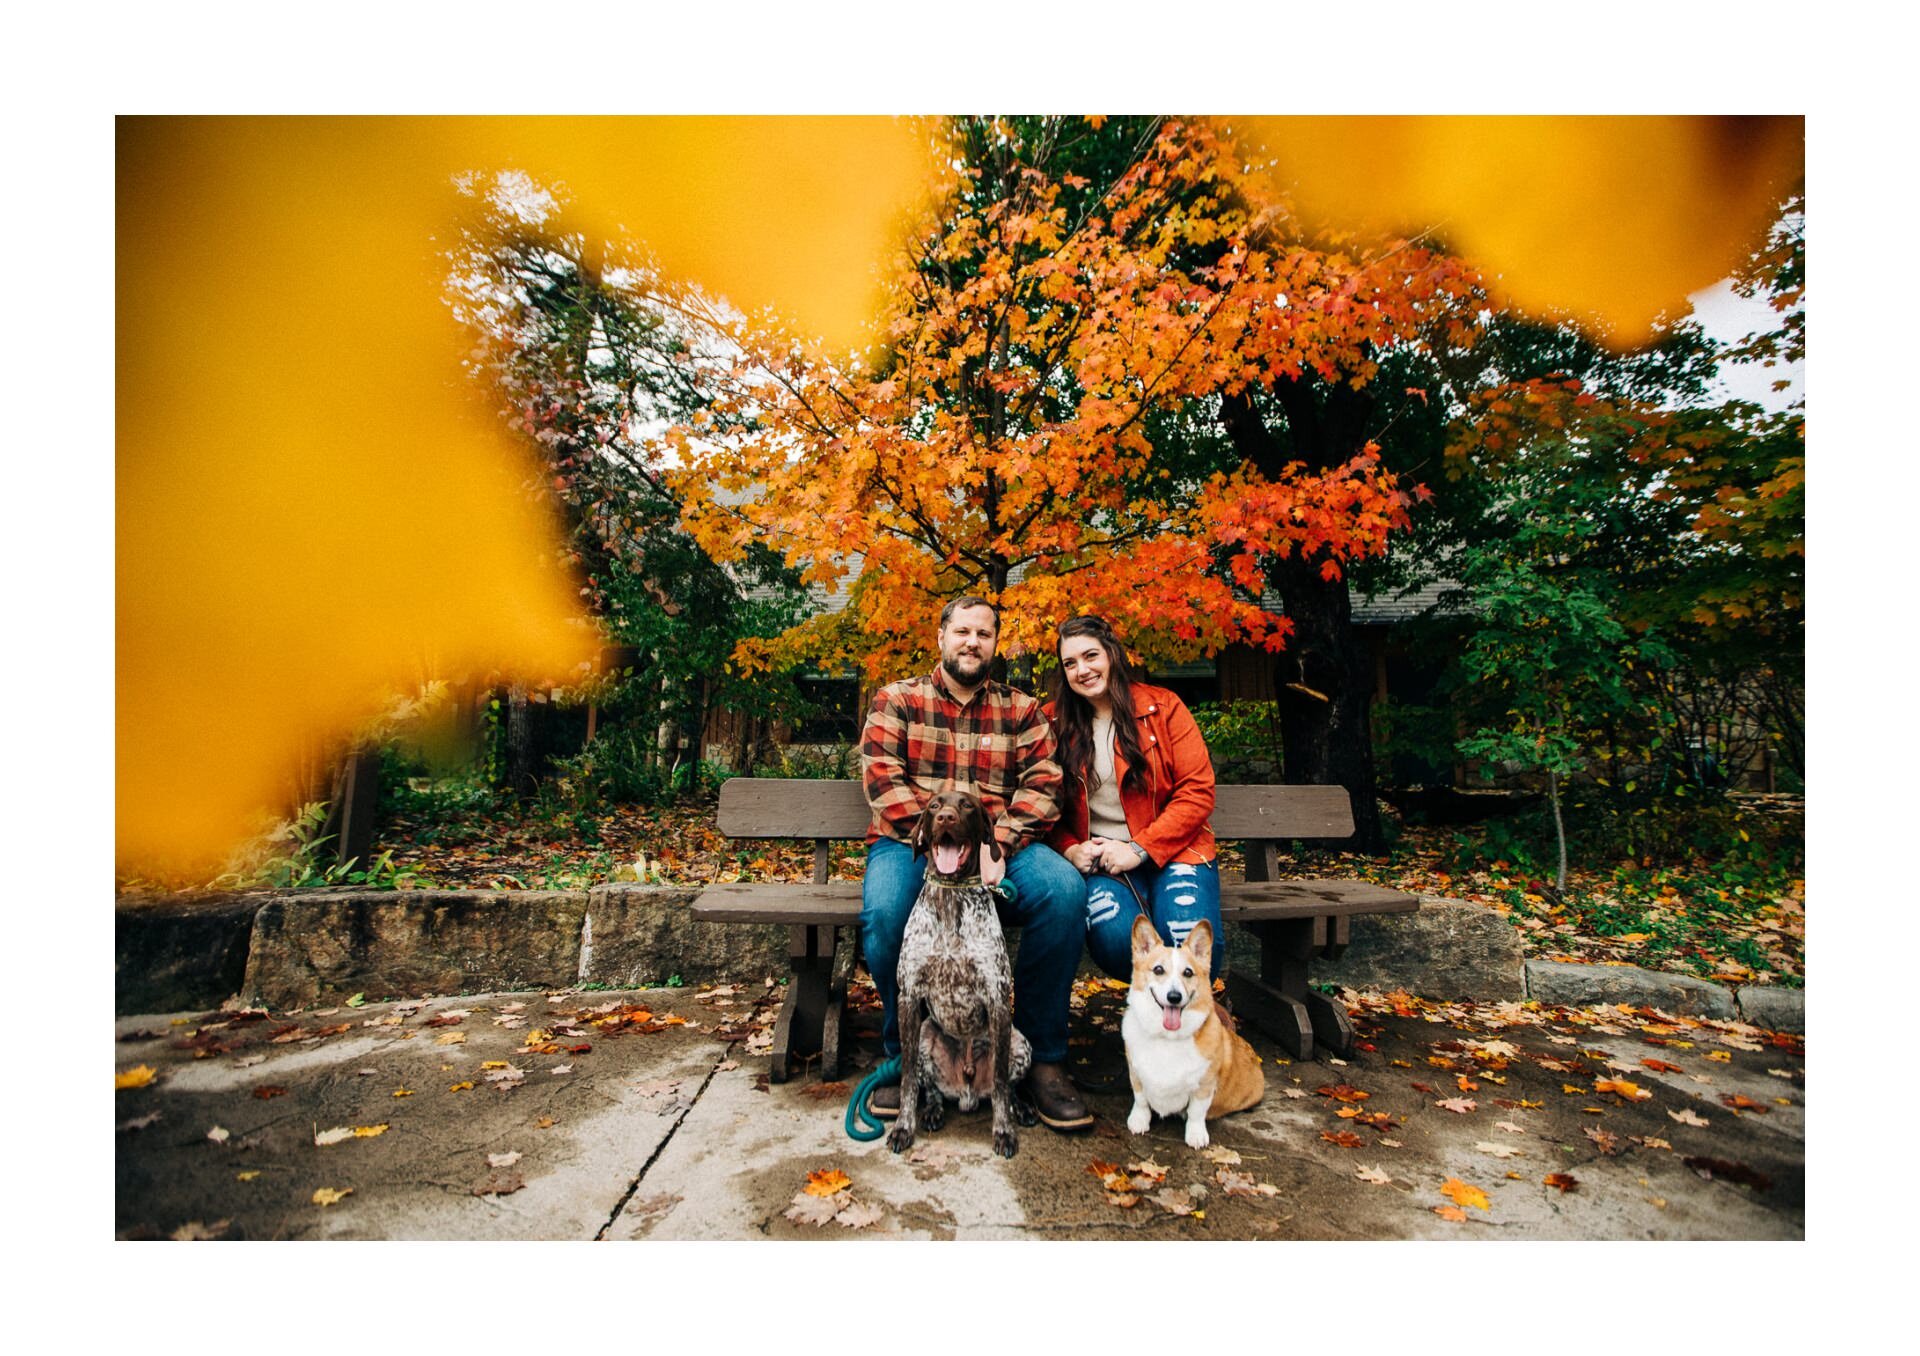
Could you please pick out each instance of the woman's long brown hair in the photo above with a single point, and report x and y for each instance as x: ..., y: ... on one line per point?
x: 1073, y: 714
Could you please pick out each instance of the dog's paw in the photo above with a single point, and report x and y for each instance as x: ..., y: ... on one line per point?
x: 900, y: 1138
x: 1197, y: 1137
x: 934, y: 1115
x: 1139, y: 1119
x: 1024, y: 1111
x: 1006, y: 1143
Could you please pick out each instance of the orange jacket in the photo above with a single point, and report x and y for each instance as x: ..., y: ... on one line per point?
x: 1170, y: 819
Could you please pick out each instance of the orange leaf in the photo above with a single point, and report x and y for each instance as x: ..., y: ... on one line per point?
x: 1455, y: 1189
x: 1346, y: 1139
x: 137, y: 1077
x: 1451, y: 1212
x: 1565, y: 1181
x: 825, y: 1182
x: 1620, y: 1087
x: 1342, y: 1092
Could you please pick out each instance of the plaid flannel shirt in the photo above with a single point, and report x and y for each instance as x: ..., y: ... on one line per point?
x: 999, y: 745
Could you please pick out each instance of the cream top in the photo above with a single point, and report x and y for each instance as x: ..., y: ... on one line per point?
x: 1106, y: 817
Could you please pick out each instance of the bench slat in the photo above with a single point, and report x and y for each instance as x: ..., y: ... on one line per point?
x: 774, y: 807
x: 777, y: 807
x: 838, y: 902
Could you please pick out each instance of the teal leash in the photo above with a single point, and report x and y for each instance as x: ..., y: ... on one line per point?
x: 870, y: 1127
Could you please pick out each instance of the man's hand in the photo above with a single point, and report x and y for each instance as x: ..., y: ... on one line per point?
x: 993, y: 868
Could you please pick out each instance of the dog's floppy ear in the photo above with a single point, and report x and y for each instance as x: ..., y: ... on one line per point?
x: 992, y: 843
x: 1199, y: 944
x: 923, y: 831
x: 1145, y: 938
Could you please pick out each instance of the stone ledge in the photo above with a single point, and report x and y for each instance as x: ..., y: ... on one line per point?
x: 1775, y: 1009
x: 1450, y: 948
x: 1579, y: 986
x: 175, y: 952
x: 325, y: 945
x: 645, y: 934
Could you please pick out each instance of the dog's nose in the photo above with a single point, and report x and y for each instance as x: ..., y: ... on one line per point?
x: 1173, y: 996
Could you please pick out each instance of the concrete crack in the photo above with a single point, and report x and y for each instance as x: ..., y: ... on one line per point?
x: 633, y: 1187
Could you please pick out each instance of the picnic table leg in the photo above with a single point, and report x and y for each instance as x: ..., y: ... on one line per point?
x: 1272, y: 1002
x: 1331, y: 1025
x: 802, y: 1023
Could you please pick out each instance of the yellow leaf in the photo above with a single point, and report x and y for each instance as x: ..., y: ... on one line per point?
x: 369, y: 1131
x: 246, y: 1176
x: 403, y: 1092
x: 825, y: 1182
x: 451, y: 1038
x: 1455, y: 1189
x: 137, y: 1077
x: 461, y: 1087
x: 494, y: 1064
x: 1720, y: 1056
x: 328, y: 1196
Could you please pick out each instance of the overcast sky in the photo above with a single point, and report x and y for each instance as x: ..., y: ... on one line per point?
x: 1728, y: 317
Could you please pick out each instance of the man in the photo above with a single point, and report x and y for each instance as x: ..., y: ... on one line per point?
x: 958, y: 725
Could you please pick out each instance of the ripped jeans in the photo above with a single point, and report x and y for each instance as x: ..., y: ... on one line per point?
x: 1176, y: 896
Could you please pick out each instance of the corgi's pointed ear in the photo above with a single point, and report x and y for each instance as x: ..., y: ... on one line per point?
x: 1199, y: 943
x: 1145, y: 938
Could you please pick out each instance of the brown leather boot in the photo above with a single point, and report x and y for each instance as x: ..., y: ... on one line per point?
x: 883, y: 1103
x: 1056, y: 1099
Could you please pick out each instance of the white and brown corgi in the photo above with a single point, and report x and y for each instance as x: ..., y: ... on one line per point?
x: 1181, y: 1057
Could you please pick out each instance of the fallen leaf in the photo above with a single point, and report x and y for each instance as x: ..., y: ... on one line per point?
x: 1738, y: 1103
x: 462, y: 1086
x: 1686, y: 1116
x: 544, y: 1123
x: 1608, y: 1141
x: 1564, y: 1181
x: 1620, y: 1087
x: 726, y: 1066
x: 814, y: 1210
x: 1498, y: 1150
x: 137, y: 1077
x: 369, y: 1131
x: 1346, y: 1139
x: 334, y: 1136
x: 1126, y: 1200
x: 1152, y: 1172
x: 860, y: 1215
x: 246, y: 1176
x: 451, y: 1038
x: 1451, y: 1212
x: 1466, y: 1084
x: 1661, y: 1066
x: 1219, y: 1153
x: 1463, y: 1194
x: 1721, y: 1056
x: 1236, y: 1183
x: 1650, y: 1141
x: 1458, y: 1105
x: 268, y: 1091
x: 1174, y: 1201
x: 495, y: 1064
x: 1509, y: 1127
x: 1373, y: 1175
x: 328, y: 1196
x: 218, y: 1134
x: 1711, y: 1168
x: 827, y: 1181
x: 505, y: 1160
x: 403, y: 1092
x: 140, y: 1122
x: 193, y: 1231
x: 1343, y: 1092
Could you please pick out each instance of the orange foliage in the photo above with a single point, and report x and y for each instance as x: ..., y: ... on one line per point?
x: 999, y: 442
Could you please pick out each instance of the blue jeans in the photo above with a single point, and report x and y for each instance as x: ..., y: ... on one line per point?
x: 1176, y: 896
x: 1049, y: 912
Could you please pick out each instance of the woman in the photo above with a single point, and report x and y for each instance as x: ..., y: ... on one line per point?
x: 1138, y: 795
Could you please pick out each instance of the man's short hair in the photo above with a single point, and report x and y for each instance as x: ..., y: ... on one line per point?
x: 968, y: 600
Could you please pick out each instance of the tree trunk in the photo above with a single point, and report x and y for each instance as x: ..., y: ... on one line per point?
x: 520, y: 771
x: 1559, y: 832
x: 1323, y: 679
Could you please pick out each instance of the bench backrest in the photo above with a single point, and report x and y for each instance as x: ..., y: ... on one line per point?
x: 773, y: 807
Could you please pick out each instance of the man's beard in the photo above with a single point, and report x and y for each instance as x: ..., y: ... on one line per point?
x: 952, y: 667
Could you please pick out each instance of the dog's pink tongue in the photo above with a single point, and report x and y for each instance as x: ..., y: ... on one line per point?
x: 1170, y: 1016
x: 946, y: 858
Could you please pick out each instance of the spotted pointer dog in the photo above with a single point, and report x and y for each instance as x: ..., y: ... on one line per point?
x: 957, y: 1038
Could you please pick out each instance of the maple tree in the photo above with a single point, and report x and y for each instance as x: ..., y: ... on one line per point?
x: 1077, y: 295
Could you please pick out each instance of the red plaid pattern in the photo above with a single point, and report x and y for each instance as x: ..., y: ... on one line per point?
x: 998, y: 745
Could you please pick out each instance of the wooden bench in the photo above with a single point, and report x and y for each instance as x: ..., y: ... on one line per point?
x: 1295, y: 920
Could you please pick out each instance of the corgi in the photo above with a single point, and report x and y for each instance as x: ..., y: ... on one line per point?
x: 1181, y: 1056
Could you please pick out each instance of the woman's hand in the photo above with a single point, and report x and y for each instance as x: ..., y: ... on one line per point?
x: 1117, y: 858
x: 1083, y: 857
